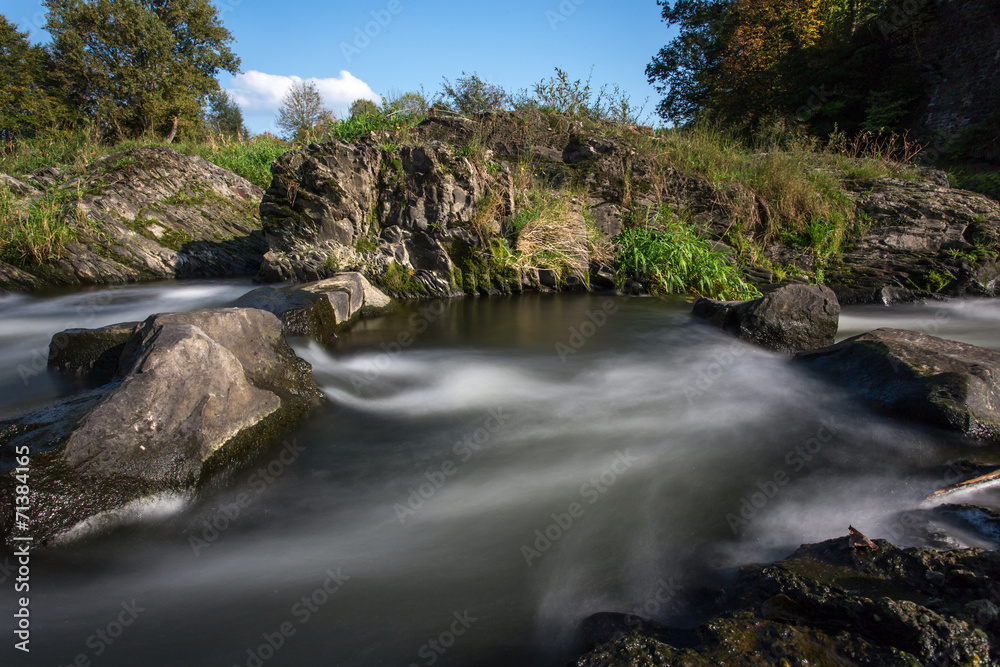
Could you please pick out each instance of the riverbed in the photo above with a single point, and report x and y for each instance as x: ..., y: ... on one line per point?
x: 486, y: 474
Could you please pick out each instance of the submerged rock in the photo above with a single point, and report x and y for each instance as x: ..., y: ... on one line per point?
x: 924, y: 378
x: 191, y: 392
x: 830, y: 603
x: 789, y: 319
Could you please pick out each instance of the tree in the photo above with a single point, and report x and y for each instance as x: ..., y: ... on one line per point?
x: 23, y: 104
x: 223, y: 116
x: 138, y: 66
x: 301, y: 110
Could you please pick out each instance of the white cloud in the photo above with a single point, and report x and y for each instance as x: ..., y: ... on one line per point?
x: 259, y: 93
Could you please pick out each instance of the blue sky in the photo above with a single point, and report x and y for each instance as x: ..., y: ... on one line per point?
x: 370, y: 47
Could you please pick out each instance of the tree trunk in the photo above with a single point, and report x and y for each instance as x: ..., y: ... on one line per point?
x: 173, y: 132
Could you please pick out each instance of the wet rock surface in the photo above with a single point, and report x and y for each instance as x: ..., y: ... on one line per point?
x: 790, y: 319
x: 919, y: 377
x: 831, y: 603
x: 191, y: 393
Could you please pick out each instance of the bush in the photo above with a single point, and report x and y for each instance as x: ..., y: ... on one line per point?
x: 669, y: 257
x: 470, y: 95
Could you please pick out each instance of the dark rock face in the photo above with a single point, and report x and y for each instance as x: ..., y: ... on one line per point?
x: 924, y: 238
x: 191, y: 391
x: 789, y: 319
x: 948, y: 384
x: 830, y: 603
x: 150, y: 213
x: 338, y: 206
x: 319, y: 309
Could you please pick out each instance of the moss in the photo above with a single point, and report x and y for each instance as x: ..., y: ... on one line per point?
x: 477, y: 271
x: 398, y: 281
x: 175, y: 239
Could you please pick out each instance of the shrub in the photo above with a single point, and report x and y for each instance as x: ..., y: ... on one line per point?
x: 471, y: 95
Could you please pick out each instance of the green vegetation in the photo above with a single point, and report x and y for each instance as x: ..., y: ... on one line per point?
x: 72, y: 150
x: 399, y: 281
x: 33, y: 233
x: 669, y: 256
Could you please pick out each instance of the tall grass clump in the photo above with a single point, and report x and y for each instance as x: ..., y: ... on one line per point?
x: 668, y: 256
x: 549, y: 234
x: 33, y: 232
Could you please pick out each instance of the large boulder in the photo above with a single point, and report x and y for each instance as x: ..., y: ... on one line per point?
x: 789, y: 319
x: 146, y: 214
x: 942, y: 382
x: 191, y: 393
x: 829, y: 604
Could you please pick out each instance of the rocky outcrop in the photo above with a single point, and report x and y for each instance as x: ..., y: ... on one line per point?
x: 190, y: 393
x: 830, y: 604
x: 339, y: 206
x: 923, y: 238
x: 318, y: 309
x: 789, y: 319
x: 927, y: 379
x: 148, y: 213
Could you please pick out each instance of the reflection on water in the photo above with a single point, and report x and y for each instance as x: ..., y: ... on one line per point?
x: 473, y: 490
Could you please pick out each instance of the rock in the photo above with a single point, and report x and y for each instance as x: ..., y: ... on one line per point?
x: 923, y: 239
x: 90, y: 355
x: 193, y: 392
x: 915, y: 376
x: 151, y: 213
x: 789, y: 319
x: 19, y: 188
x: 318, y: 309
x: 829, y: 603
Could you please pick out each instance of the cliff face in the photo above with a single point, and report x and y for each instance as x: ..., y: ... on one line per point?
x: 959, y: 59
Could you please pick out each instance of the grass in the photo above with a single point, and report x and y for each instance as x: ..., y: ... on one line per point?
x: 33, y: 233
x: 72, y: 151
x: 671, y: 258
x: 548, y: 233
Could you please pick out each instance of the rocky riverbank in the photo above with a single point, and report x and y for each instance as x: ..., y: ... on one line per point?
x: 439, y: 215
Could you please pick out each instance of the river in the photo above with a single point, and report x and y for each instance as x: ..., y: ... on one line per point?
x: 486, y: 474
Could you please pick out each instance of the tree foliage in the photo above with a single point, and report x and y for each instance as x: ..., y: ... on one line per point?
x: 137, y: 65
x: 301, y: 110
x: 23, y: 104
x: 813, y: 62
x: 223, y: 116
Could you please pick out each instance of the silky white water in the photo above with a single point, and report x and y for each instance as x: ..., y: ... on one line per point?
x: 485, y: 475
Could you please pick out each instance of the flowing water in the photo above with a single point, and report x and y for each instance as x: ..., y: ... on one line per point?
x: 486, y: 474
